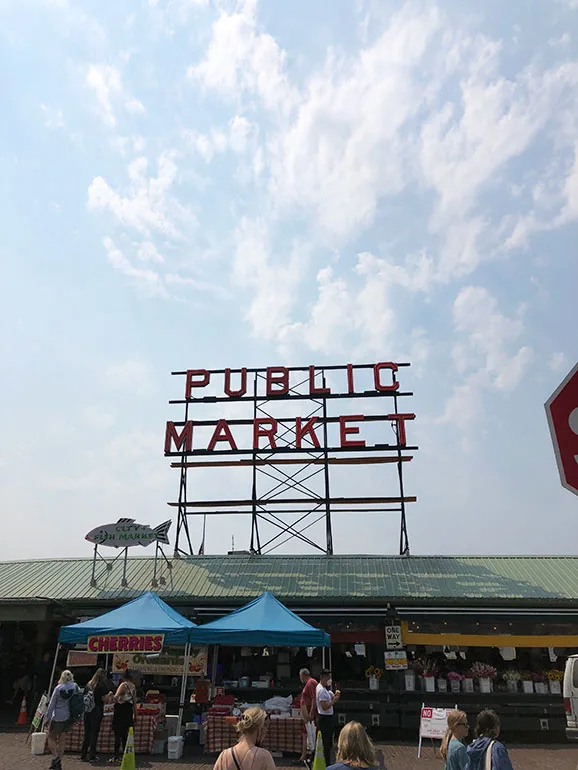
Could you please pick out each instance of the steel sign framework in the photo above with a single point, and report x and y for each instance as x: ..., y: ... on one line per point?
x: 290, y: 463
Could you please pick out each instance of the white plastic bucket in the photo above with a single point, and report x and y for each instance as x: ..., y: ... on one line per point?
x: 175, y: 744
x: 37, y: 743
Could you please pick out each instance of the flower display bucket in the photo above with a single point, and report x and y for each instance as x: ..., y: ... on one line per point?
x: 455, y: 685
x: 485, y: 685
x: 410, y: 681
x: 555, y: 688
x: 373, y: 683
x: 540, y: 688
x: 512, y: 685
x: 528, y: 687
x: 442, y: 685
x: 430, y: 684
x: 468, y: 685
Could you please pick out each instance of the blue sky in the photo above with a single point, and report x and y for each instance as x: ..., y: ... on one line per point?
x: 190, y: 183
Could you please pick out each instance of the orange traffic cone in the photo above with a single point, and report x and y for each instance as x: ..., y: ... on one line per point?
x: 23, y: 715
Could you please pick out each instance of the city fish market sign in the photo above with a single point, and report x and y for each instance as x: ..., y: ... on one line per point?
x: 126, y: 533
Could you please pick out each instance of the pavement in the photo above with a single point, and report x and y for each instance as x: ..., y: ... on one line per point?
x: 15, y: 755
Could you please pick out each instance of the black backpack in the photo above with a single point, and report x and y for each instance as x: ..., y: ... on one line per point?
x: 76, y: 704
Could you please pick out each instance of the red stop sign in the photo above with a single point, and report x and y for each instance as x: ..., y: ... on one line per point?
x: 562, y: 413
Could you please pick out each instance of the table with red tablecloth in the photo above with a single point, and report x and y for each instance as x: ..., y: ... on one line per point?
x: 144, y: 730
x: 283, y: 734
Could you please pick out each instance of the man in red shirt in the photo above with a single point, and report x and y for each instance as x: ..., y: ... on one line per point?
x: 308, y: 709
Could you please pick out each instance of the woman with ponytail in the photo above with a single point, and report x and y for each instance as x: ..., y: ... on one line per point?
x: 453, y: 750
x: 248, y: 754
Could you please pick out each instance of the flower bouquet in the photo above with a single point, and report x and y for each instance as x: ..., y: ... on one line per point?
x: 512, y: 677
x: 455, y: 680
x: 539, y: 683
x: 373, y: 674
x: 468, y: 682
x: 555, y: 678
x: 527, y: 683
x: 484, y: 673
x: 429, y: 677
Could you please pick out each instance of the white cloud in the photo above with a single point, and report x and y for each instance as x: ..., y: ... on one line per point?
x: 148, y: 252
x: 148, y: 205
x: 346, y: 147
x: 488, y: 338
x: 273, y: 284
x: 106, y: 82
x: 241, y: 58
x: 557, y: 362
x: 132, y: 376
x: 487, y: 355
x: 148, y: 282
x: 52, y: 118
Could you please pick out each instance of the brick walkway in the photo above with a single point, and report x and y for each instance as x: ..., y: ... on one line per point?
x: 15, y: 755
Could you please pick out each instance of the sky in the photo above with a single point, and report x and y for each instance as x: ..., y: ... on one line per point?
x: 227, y: 183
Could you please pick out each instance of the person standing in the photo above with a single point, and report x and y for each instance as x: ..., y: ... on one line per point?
x: 308, y: 712
x: 325, y: 701
x: 100, y: 688
x: 487, y: 732
x: 58, y: 716
x: 354, y: 749
x: 452, y: 749
x: 248, y: 754
x: 124, y: 713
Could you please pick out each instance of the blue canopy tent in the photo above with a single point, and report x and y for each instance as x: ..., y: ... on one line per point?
x: 147, y: 614
x: 263, y: 621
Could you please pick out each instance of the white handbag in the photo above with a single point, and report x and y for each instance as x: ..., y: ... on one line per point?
x: 489, y: 756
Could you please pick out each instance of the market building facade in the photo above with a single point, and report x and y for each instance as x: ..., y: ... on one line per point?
x: 476, y: 631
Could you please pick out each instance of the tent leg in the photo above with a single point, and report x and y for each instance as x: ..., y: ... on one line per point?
x: 184, y: 686
x: 323, y: 657
x: 214, y: 671
x: 49, y: 688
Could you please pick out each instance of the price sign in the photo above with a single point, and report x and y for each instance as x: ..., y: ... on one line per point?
x: 393, y: 640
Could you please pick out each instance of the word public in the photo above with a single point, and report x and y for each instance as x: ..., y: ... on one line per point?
x: 179, y: 436
x: 126, y: 643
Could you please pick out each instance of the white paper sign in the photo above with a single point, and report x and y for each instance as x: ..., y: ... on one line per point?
x: 395, y: 660
x: 393, y: 639
x: 433, y: 723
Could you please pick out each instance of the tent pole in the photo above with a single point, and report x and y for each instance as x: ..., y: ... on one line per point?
x: 49, y: 688
x: 214, y: 671
x: 184, y: 686
x: 323, y: 657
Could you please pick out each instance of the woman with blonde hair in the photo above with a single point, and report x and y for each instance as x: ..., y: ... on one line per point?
x: 248, y: 754
x: 453, y: 750
x: 354, y: 748
x: 58, y: 716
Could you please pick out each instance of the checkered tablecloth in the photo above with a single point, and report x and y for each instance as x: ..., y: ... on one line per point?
x: 143, y: 735
x: 282, y: 735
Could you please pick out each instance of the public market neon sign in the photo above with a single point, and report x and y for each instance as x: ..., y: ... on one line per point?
x: 265, y: 431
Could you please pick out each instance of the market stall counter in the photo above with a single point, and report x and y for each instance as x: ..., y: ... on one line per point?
x: 144, y: 732
x: 283, y: 734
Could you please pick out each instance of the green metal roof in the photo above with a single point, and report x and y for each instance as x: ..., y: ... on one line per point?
x: 307, y: 579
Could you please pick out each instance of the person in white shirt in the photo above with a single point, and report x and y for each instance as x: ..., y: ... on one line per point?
x: 325, y: 700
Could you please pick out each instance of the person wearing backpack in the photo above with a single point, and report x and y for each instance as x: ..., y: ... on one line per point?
x: 487, y: 752
x: 124, y: 713
x: 95, y: 694
x: 59, y: 716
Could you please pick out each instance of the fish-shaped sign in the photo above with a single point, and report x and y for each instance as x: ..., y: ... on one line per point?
x: 126, y: 532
